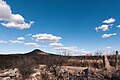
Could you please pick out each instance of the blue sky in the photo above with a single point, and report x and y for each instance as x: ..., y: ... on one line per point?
x: 80, y: 26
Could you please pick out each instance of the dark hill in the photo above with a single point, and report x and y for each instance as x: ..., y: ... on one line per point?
x: 37, y: 56
x: 37, y: 51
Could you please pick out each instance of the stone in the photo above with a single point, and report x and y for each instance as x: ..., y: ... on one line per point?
x: 106, y: 62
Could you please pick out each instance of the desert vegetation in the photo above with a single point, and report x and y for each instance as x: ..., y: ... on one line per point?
x: 57, y: 67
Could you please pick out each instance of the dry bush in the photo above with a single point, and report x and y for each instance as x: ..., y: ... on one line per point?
x: 26, y: 66
x: 5, y: 64
x: 45, y: 74
x: 97, y: 65
x: 77, y: 63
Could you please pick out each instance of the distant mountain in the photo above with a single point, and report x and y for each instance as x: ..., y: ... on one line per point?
x: 37, y: 51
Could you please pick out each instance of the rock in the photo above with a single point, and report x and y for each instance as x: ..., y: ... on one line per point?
x: 87, y: 73
x: 0, y: 78
x: 10, y: 74
x: 6, y: 78
x: 34, y: 76
x: 106, y: 62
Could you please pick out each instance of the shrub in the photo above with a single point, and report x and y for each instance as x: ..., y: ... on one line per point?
x: 26, y: 67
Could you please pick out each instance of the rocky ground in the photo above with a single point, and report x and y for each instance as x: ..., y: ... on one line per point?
x: 63, y: 73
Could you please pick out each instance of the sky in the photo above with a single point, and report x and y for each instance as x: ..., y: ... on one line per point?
x: 74, y: 26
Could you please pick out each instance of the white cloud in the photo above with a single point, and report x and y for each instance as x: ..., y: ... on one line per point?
x: 103, y: 27
x: 32, y: 44
x: 11, y: 20
x: 29, y: 35
x: 65, y: 48
x: 18, y: 26
x: 110, y: 24
x: 118, y: 26
x: 16, y: 41
x: 108, y: 47
x: 56, y: 44
x: 2, y: 41
x: 21, y: 38
x: 47, y: 37
x: 73, y: 50
x: 24, y: 43
x: 83, y: 52
x: 108, y: 35
x: 111, y: 20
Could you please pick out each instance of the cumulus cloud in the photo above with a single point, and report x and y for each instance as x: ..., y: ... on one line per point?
x: 108, y: 35
x: 118, y: 26
x: 103, y: 27
x: 56, y: 44
x: 2, y: 41
x: 32, y: 44
x: 11, y: 20
x: 111, y: 20
x: 46, y: 37
x: 20, y: 38
x: 16, y: 41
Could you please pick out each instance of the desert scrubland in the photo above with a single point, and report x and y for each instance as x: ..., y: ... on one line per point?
x: 39, y: 65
